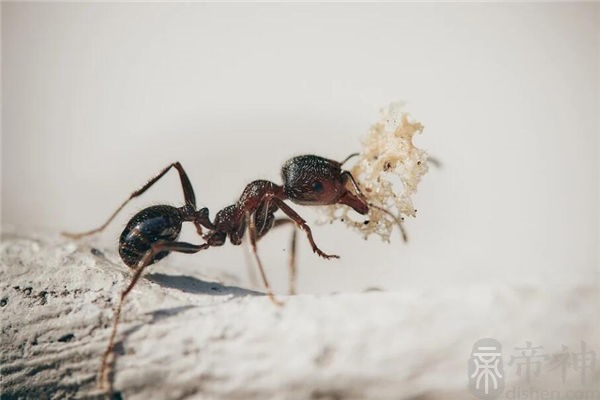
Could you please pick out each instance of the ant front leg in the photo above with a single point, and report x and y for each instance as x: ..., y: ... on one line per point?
x: 188, y: 193
x: 302, y: 225
x: 148, y: 258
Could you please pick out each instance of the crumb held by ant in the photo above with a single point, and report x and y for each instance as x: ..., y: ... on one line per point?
x: 388, y: 155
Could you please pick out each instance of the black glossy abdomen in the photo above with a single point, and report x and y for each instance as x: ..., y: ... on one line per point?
x: 146, y: 228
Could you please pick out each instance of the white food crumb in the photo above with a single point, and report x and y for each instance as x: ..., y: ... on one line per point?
x: 388, y: 171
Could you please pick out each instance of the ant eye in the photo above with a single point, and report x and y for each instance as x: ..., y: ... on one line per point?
x: 317, y: 186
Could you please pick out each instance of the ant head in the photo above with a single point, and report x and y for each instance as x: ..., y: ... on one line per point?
x: 313, y: 180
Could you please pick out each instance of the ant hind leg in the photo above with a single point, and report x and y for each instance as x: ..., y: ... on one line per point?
x: 188, y: 193
x: 180, y: 247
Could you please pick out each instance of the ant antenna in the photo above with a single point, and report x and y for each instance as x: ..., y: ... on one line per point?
x: 434, y: 161
x: 395, y: 218
x: 349, y: 157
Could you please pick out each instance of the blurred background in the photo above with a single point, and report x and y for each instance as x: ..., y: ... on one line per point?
x: 97, y: 98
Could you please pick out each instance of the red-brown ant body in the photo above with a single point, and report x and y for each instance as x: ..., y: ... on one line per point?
x: 153, y: 232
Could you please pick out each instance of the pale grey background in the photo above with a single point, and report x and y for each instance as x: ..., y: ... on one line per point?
x: 99, y: 97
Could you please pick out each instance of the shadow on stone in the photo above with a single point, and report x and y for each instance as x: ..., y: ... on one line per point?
x: 168, y: 312
x: 189, y: 284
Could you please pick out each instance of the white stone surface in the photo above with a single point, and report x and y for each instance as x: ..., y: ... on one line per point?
x: 183, y: 337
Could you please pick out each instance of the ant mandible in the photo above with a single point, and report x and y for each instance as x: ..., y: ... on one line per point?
x: 152, y: 233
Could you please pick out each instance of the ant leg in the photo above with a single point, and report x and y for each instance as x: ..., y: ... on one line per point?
x: 292, y: 254
x: 198, y: 228
x: 252, y: 237
x: 397, y: 220
x: 292, y: 263
x: 348, y: 177
x: 302, y: 225
x: 188, y: 193
x: 180, y: 247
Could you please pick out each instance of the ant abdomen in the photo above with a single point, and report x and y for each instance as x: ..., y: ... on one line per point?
x: 147, y: 227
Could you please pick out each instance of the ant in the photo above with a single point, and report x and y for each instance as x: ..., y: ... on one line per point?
x: 152, y: 233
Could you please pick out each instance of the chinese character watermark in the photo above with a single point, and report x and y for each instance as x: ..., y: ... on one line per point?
x: 528, y: 357
x: 561, y: 360
x: 486, y: 375
x: 584, y: 361
x: 487, y: 378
